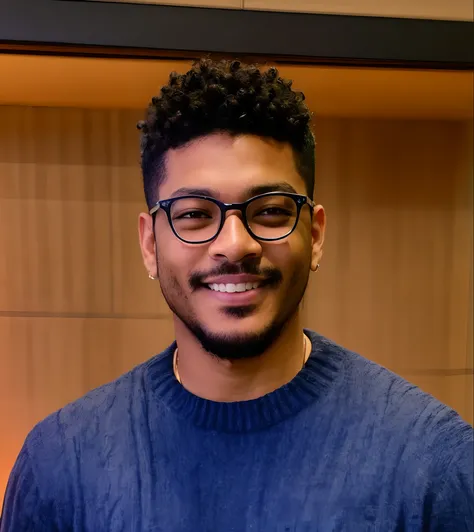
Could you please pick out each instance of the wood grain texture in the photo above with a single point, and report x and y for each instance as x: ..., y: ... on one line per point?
x: 70, y: 195
x: 469, y: 139
x: 138, y: 295
x: 54, y: 211
x: 430, y: 9
x: 394, y: 278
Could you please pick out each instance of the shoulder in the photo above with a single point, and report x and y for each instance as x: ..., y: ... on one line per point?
x: 404, y: 405
x: 426, y: 444
x: 77, y: 428
x: 378, y: 396
x: 82, y: 415
x: 64, y: 448
x: 63, y: 455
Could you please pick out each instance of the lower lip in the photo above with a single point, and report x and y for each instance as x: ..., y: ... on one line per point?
x: 237, y: 298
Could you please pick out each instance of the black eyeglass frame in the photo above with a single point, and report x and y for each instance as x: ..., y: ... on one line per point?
x: 166, y: 205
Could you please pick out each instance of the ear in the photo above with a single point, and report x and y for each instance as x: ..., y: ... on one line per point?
x: 147, y: 243
x: 318, y: 228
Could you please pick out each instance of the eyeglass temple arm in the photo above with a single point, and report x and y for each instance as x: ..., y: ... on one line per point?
x: 154, y: 209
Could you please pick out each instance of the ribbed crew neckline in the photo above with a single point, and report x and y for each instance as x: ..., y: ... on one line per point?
x: 312, y: 383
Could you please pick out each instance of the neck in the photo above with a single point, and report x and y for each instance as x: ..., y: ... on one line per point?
x: 221, y: 380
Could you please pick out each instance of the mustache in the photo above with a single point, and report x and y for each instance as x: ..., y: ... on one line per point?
x: 271, y: 276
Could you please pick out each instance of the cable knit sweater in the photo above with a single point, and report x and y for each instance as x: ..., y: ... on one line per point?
x: 346, y: 445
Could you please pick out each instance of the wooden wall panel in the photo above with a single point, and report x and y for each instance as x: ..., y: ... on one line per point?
x: 469, y: 139
x: 394, y: 279
x: 141, y: 296
x: 431, y: 9
x: 54, y: 211
x: 49, y: 255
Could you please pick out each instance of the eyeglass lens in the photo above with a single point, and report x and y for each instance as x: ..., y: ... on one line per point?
x: 199, y: 219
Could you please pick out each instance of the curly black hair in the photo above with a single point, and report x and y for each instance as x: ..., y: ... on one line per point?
x: 225, y: 96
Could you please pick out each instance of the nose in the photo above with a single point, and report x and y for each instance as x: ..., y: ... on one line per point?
x: 234, y: 241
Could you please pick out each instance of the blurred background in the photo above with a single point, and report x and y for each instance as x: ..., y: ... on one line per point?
x: 394, y: 172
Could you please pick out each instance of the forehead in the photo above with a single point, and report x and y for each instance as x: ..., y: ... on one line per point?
x: 231, y: 166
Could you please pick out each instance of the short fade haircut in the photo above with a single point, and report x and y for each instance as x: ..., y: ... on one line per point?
x: 227, y: 97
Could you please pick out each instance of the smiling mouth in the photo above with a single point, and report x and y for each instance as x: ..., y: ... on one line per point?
x: 231, y: 287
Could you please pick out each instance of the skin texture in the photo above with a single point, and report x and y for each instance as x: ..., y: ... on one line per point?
x: 258, y: 346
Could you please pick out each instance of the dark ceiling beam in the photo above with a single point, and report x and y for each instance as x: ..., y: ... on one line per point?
x: 144, y: 30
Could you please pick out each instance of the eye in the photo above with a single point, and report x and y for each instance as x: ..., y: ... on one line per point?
x: 193, y: 215
x: 273, y: 211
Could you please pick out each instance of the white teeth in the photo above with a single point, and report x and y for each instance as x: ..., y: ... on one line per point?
x: 230, y: 287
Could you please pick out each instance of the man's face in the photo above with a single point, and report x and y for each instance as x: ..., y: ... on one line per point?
x: 232, y: 325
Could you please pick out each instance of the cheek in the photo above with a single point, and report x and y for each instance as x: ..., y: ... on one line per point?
x: 290, y: 256
x: 176, y: 262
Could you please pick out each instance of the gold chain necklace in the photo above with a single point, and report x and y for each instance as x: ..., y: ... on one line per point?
x: 175, y: 359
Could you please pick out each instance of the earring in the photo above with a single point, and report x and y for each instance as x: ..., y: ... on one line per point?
x: 317, y: 267
x: 150, y: 276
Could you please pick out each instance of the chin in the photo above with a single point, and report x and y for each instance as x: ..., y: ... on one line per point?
x: 239, y: 339
x: 240, y: 320
x: 239, y: 333
x: 234, y: 332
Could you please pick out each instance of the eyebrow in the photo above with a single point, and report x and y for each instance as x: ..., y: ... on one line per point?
x: 281, y: 186
x: 186, y: 191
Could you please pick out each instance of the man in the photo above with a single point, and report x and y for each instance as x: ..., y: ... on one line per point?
x: 247, y: 422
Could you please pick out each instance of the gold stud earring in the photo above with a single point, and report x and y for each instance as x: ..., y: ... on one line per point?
x: 150, y: 276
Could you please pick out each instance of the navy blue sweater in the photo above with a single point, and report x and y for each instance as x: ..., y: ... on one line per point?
x: 346, y: 445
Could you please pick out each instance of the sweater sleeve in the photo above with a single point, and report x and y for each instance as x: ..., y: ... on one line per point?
x: 453, y: 500
x: 23, y: 508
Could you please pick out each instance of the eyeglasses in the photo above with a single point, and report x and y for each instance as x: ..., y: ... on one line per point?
x: 199, y: 219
